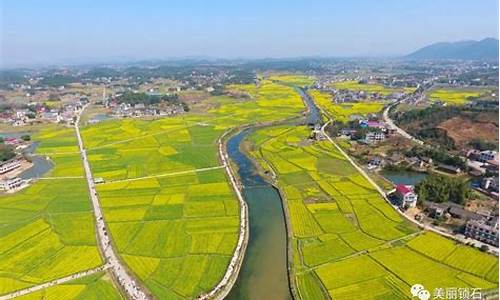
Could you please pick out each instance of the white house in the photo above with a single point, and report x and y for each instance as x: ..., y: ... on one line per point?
x: 487, y: 155
x: 11, y: 183
x: 373, y: 137
x: 407, y: 196
x: 9, y: 165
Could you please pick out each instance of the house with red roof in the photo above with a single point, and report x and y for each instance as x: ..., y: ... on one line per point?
x: 407, y: 196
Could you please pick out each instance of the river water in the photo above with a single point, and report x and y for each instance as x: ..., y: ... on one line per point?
x: 314, y: 115
x: 264, y: 275
x: 41, y: 165
x: 264, y: 271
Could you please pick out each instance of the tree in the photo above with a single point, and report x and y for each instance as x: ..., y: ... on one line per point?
x: 6, y: 152
x: 482, y: 145
x: 439, y: 188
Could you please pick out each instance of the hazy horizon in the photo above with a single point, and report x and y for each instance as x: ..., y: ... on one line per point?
x: 78, y: 32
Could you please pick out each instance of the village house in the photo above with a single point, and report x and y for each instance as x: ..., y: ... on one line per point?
x: 450, y: 169
x: 317, y: 134
x: 374, y: 137
x: 371, y: 124
x: 488, y: 155
x: 375, y: 163
x: 9, y: 165
x: 22, y: 113
x: 11, y: 183
x: 347, y: 132
x: 490, y: 183
x: 12, y: 141
x: 484, y: 230
x: 406, y: 195
x: 437, y: 210
x: 52, y: 116
x: 459, y: 212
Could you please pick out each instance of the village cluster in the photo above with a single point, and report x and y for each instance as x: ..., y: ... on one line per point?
x: 10, y: 181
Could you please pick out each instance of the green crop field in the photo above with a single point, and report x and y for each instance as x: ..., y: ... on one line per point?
x: 187, y: 221
x: 174, y: 225
x: 299, y: 80
x: 368, y: 87
x: 455, y: 97
x: 97, y: 286
x: 347, y: 240
x: 343, y: 111
x: 174, y: 218
x: 47, y: 229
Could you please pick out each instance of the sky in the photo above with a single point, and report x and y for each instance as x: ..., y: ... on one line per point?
x: 80, y: 31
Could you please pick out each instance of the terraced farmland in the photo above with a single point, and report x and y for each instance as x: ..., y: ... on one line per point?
x: 346, y: 240
x: 47, y: 229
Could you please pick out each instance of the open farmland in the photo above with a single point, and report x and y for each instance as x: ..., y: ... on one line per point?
x: 176, y: 233
x: 342, y: 111
x: 47, y: 229
x: 96, y: 286
x: 346, y: 239
x: 298, y: 80
x: 452, y: 96
x: 171, y: 211
x: 368, y: 87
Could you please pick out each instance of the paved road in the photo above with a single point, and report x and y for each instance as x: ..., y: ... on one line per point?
x: 459, y: 238
x: 54, y: 282
x: 392, y: 125
x: 126, y: 281
x: 224, y: 286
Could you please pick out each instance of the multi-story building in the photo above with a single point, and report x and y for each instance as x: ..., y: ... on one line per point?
x: 374, y: 137
x: 484, y: 230
x: 11, y: 183
x: 9, y: 165
x: 488, y: 155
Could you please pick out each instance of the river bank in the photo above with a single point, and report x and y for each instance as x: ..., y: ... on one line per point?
x: 265, y: 269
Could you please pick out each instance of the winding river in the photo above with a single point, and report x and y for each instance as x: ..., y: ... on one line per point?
x: 264, y: 272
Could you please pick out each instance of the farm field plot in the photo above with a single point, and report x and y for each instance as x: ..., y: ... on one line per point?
x: 346, y: 238
x: 96, y: 286
x: 343, y: 111
x: 368, y: 87
x: 56, y: 139
x: 453, y: 96
x: 176, y: 226
x: 47, y: 229
x: 299, y: 80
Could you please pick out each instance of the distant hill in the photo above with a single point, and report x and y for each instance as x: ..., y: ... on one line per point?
x: 486, y: 49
